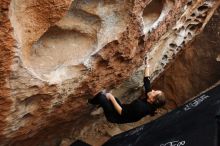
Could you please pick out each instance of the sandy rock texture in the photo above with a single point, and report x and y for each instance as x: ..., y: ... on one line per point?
x: 196, y: 67
x: 55, y: 54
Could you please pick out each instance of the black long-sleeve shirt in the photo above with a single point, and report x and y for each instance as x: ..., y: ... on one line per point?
x: 138, y: 108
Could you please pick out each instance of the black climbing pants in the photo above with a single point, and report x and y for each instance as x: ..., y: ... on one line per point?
x: 110, y: 112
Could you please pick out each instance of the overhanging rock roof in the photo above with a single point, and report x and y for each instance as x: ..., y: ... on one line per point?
x: 197, y: 123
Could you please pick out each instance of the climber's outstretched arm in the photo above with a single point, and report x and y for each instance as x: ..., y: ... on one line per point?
x: 147, y: 68
x: 147, y: 71
x: 147, y: 84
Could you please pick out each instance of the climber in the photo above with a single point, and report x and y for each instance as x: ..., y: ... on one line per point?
x: 116, y: 112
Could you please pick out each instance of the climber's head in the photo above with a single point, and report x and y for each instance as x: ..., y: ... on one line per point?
x: 157, y: 98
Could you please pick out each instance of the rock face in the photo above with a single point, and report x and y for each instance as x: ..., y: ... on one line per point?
x: 55, y: 54
x: 196, y: 68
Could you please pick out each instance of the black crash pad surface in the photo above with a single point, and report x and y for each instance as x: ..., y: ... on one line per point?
x: 196, y: 123
x: 79, y: 143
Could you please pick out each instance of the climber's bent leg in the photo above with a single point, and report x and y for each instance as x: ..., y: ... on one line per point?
x: 110, y: 113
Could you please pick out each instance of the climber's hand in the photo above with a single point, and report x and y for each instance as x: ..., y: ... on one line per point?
x: 145, y: 61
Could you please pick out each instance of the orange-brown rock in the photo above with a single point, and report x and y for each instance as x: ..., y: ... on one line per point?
x: 55, y: 54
